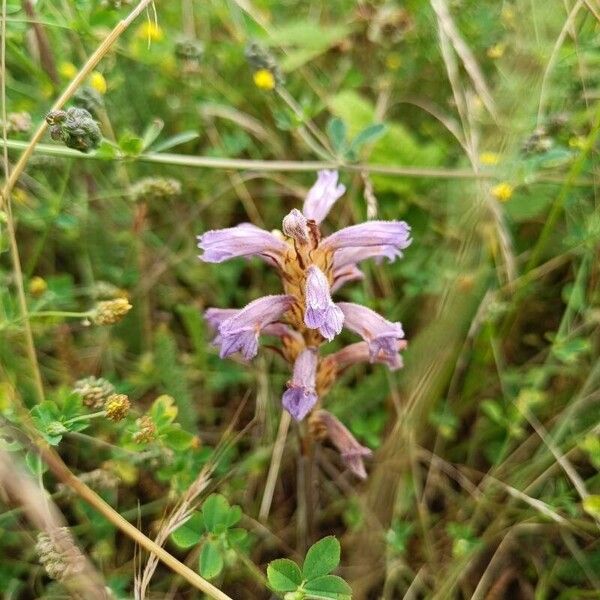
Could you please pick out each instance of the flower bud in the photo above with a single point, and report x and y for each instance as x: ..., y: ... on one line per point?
x: 94, y: 390
x: 295, y: 226
x: 116, y: 407
x: 75, y: 127
x: 109, y: 312
x: 155, y: 189
x: 146, y: 430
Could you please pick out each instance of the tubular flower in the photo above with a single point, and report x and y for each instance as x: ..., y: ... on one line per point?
x: 301, y: 396
x: 305, y: 316
x: 350, y: 450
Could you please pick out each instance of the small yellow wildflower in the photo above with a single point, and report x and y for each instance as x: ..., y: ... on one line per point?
x: 508, y: 15
x: 496, y: 51
x: 98, y: 82
x: 116, y: 407
x: 109, y: 312
x: 67, y: 70
x: 37, y: 286
x: 577, y: 142
x: 150, y: 31
x: 264, y: 79
x: 489, y: 158
x: 503, y: 191
x: 393, y: 61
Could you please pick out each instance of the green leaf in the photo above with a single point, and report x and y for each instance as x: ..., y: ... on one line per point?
x: 152, y: 132
x: 190, y: 533
x: 176, y: 438
x: 368, y: 134
x: 234, y: 515
x: 284, y: 575
x: 321, y: 558
x: 216, y: 512
x: 211, y: 560
x: 336, y: 129
x: 35, y: 464
x: 330, y: 587
x: 181, y: 138
x: 130, y: 144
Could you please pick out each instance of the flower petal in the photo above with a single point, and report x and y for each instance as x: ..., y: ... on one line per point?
x: 321, y: 313
x: 300, y: 397
x: 322, y: 196
x: 394, y: 234
x: 240, y: 331
x: 350, y: 450
x: 382, y: 335
x: 243, y: 240
x: 295, y: 226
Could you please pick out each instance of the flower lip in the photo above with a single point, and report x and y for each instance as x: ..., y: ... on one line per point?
x: 381, y: 335
x: 388, y: 234
x: 321, y: 313
x: 300, y: 397
x: 322, y: 196
x: 240, y: 330
x: 243, y: 240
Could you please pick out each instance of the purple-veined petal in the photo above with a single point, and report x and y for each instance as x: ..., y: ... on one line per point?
x: 240, y: 331
x: 360, y: 352
x: 321, y: 313
x: 354, y: 255
x: 344, y: 275
x: 322, y: 196
x: 381, y: 335
x: 246, y: 239
x: 394, y: 234
x: 350, y: 450
x: 300, y: 397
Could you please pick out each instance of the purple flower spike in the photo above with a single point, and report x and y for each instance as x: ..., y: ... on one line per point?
x: 389, y: 234
x: 295, y: 226
x: 382, y: 335
x: 301, y: 396
x: 322, y: 196
x: 243, y: 240
x: 350, y: 450
x: 239, y: 333
x: 321, y: 313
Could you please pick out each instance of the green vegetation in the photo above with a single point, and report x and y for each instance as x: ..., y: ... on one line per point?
x: 136, y: 463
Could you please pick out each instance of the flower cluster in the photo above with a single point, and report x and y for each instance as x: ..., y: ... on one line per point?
x: 312, y: 268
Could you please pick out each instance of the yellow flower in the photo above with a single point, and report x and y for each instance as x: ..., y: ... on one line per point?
x: 37, y: 286
x: 264, y: 79
x: 116, y: 407
x: 98, y: 82
x: 577, y: 142
x: 496, y: 51
x: 393, y: 61
x: 67, y: 70
x: 503, y: 191
x: 508, y: 16
x: 150, y: 31
x: 489, y: 158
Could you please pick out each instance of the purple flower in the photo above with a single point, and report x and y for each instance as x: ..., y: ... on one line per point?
x: 322, y: 196
x: 295, y: 226
x: 350, y: 450
x: 243, y: 240
x: 392, y: 235
x: 353, y: 255
x: 343, y: 275
x: 240, y: 331
x: 360, y: 352
x: 381, y: 335
x: 301, y: 396
x: 321, y: 313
